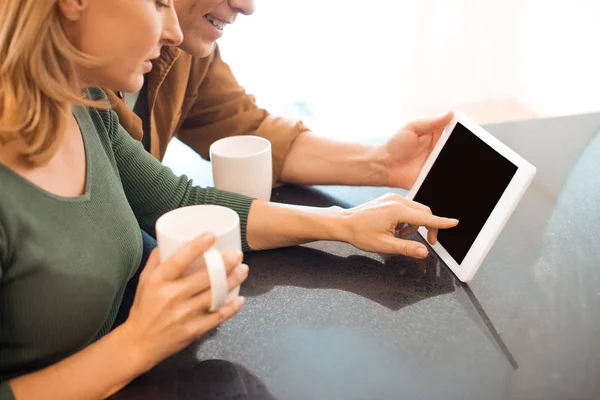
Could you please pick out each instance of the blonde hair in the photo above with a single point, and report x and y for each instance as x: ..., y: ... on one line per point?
x: 38, y: 79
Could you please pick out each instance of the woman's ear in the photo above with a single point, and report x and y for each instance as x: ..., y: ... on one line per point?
x: 72, y: 9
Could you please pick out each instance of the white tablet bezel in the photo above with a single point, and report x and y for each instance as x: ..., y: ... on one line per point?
x: 501, y: 212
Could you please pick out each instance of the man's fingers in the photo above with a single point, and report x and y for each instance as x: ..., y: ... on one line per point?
x: 444, y: 120
x: 427, y: 125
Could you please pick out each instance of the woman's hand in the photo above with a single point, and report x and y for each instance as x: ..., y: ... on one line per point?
x: 372, y: 226
x: 170, y: 309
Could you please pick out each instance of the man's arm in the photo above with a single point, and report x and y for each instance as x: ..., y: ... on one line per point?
x: 396, y: 163
x: 313, y: 160
x: 223, y: 108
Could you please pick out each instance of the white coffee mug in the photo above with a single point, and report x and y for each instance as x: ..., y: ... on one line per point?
x: 182, y: 225
x: 243, y: 164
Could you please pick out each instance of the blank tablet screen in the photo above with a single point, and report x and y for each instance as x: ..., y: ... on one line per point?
x: 465, y: 182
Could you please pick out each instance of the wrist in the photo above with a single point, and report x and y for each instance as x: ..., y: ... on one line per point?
x: 336, y: 224
x: 378, y: 166
x: 138, y: 359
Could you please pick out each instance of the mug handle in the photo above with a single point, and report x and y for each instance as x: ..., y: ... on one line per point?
x: 217, y: 276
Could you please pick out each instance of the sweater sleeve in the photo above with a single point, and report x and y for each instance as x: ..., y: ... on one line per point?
x: 3, y: 250
x: 152, y: 189
x: 5, y: 389
x: 6, y: 392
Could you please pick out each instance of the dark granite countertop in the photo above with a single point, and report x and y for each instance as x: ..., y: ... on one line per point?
x: 327, y: 321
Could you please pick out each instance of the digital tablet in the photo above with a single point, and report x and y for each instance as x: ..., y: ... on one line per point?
x: 470, y: 175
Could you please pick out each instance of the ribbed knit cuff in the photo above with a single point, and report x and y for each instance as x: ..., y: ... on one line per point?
x: 238, y: 203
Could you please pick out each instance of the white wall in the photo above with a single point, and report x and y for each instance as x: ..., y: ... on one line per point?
x: 560, y: 52
x: 362, y: 68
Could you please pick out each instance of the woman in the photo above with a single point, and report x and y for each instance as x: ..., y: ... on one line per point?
x: 76, y: 189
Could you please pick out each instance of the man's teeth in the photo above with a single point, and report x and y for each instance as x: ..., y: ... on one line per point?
x: 216, y: 22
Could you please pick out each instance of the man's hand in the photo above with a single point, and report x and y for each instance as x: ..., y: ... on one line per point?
x: 405, y: 152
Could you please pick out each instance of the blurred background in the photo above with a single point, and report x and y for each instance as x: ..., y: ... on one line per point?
x: 354, y: 70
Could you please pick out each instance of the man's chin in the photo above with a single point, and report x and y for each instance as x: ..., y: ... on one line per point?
x: 198, y: 49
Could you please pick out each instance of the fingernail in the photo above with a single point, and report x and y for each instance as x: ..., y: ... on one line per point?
x: 422, y: 252
x: 454, y: 220
x: 241, y: 299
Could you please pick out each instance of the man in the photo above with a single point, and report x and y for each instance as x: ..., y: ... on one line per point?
x: 192, y: 94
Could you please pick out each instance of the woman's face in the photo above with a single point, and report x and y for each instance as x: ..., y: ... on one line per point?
x: 123, y: 34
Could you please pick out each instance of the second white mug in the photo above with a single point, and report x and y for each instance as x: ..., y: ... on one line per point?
x: 243, y: 164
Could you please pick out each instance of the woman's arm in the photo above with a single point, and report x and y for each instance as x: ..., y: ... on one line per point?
x: 95, y: 372
x: 379, y: 225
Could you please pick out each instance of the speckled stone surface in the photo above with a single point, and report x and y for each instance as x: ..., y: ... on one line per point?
x: 327, y: 321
